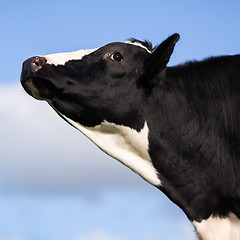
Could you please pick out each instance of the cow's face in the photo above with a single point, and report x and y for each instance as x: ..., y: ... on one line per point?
x: 101, y: 92
x: 90, y: 86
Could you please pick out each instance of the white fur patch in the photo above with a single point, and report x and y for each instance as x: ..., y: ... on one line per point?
x: 215, y: 228
x: 138, y: 44
x: 124, y: 144
x: 62, y: 58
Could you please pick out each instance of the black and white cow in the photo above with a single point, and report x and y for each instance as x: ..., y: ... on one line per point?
x: 177, y: 127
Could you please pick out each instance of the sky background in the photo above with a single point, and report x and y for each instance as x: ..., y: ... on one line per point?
x: 54, y: 183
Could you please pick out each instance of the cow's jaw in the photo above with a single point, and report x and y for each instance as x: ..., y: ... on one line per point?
x: 123, y: 143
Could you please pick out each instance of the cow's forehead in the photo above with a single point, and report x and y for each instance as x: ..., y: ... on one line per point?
x: 62, y: 58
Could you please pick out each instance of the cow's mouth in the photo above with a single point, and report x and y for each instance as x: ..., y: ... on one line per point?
x: 39, y: 88
x: 44, y: 92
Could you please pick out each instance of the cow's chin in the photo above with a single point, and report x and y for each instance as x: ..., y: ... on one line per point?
x: 38, y: 88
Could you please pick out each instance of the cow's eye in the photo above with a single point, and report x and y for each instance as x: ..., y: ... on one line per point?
x: 116, y: 56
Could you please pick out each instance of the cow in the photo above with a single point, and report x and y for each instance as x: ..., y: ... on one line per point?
x: 177, y: 127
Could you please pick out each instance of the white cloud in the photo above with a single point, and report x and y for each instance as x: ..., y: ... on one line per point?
x: 100, y: 235
x: 12, y: 238
x: 41, y: 152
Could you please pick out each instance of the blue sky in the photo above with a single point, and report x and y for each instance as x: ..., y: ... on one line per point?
x: 54, y: 183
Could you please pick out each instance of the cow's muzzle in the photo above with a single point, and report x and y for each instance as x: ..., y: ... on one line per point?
x: 29, y: 71
x: 31, y: 66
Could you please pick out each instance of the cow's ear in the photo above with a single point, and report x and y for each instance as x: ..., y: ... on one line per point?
x: 155, y: 65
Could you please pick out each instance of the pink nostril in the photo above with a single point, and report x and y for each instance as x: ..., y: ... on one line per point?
x: 39, y: 61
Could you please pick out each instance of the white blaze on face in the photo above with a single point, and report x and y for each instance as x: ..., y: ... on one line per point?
x: 124, y: 144
x: 215, y: 228
x: 62, y: 58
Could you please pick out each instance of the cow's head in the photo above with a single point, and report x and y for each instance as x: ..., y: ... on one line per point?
x: 101, y: 92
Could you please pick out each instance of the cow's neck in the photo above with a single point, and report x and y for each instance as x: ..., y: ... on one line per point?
x: 123, y: 143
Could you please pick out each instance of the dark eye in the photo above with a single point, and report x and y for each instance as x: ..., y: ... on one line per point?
x: 116, y: 56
